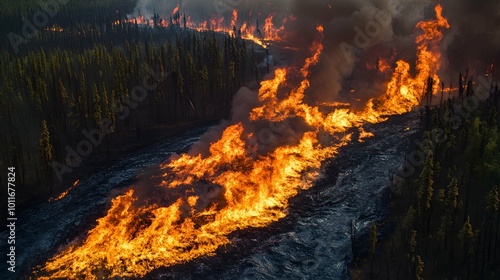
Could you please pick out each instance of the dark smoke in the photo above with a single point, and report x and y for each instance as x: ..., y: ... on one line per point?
x: 357, y: 34
x: 475, y: 43
x: 342, y: 19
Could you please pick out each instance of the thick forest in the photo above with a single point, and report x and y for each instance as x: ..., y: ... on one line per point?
x: 445, y: 221
x: 70, y: 76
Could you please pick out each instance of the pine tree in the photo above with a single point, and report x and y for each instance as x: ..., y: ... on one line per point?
x: 204, y: 86
x: 492, y: 207
x: 97, y: 114
x: 426, y: 190
x: 419, y: 269
x: 492, y: 201
x: 426, y: 180
x: 62, y: 91
x: 46, y: 152
x: 106, y: 104
x: 465, y: 235
x: 41, y: 88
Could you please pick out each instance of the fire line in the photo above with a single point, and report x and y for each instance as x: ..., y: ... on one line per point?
x: 132, y: 239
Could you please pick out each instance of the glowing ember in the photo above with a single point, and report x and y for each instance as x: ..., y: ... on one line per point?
x: 54, y: 28
x: 231, y: 188
x: 63, y: 194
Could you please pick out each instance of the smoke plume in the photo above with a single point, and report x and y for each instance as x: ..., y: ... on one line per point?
x: 362, y: 41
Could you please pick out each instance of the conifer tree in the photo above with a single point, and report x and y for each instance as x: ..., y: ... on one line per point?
x: 46, y: 152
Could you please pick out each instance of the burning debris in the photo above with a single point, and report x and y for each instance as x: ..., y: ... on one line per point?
x: 63, y: 194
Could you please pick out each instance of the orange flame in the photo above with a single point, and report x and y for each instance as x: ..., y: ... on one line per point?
x: 408, y: 90
x: 383, y: 65
x: 234, y: 20
x: 271, y: 33
x: 217, y: 24
x: 63, y: 194
x: 364, y: 134
x: 176, y: 9
x: 251, y: 191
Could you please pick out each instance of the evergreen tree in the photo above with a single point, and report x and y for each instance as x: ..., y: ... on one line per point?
x: 46, y: 151
x: 97, y: 114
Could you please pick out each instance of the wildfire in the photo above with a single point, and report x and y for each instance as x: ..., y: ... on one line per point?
x: 176, y: 10
x: 233, y: 188
x: 245, y: 30
x: 408, y: 90
x: 383, y: 65
x: 63, y: 194
x: 364, y: 134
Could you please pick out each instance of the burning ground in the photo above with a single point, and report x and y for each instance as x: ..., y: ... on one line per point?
x: 237, y: 178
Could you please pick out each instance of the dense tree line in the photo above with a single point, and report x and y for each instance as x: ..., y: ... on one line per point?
x: 94, y: 20
x: 446, y: 216
x: 63, y: 82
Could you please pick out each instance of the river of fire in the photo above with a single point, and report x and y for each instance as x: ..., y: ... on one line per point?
x: 133, y: 239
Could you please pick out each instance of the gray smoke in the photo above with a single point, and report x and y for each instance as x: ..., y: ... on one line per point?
x: 357, y: 34
x: 475, y: 43
x: 372, y: 27
x: 353, y: 29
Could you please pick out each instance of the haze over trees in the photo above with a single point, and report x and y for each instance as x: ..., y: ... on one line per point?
x: 84, y: 67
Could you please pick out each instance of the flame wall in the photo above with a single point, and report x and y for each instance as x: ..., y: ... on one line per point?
x: 243, y: 172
